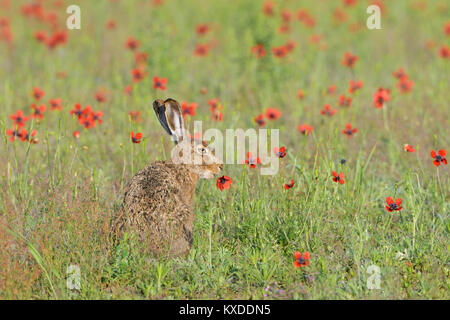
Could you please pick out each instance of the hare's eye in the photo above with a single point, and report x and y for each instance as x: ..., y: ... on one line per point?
x: 202, y: 150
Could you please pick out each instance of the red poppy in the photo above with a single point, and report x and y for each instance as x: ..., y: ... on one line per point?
x: 140, y: 58
x: 286, y: 15
x: 38, y: 112
x: 340, y: 15
x: 393, y: 206
x: 132, y: 43
x: 138, y: 74
x: 272, y: 113
x: 349, y: 131
x: 76, y: 134
x: 110, y: 24
x: 338, y: 177
x: 55, y: 104
x: 25, y: 136
x: 332, y: 89
x: 405, y: 85
x: 400, y: 73
x: 301, y: 260
x: 305, y: 129
x: 223, y: 183
x: 268, y: 8
x: 100, y: 95
x: 38, y: 93
x: 258, y: 50
x: 280, y: 153
x: 349, y: 60
x: 260, y: 120
x: 279, y: 52
x: 354, y: 85
x: 328, y: 111
x: 135, y: 116
x: 202, y: 29
x: 289, y: 185
x: 284, y: 28
x: 188, y: 109
x: 87, y: 122
x: 446, y: 28
x: 444, y: 52
x: 290, y: 45
x: 40, y: 36
x: 408, y: 148
x: 204, y: 90
x: 349, y: 3
x: 13, y: 133
x: 344, y: 101
x: 19, y: 119
x: 97, y: 116
x: 159, y: 83
x: 128, y: 89
x: 252, y: 162
x: 380, y: 97
x: 300, y: 94
x: 57, y: 38
x: 201, y: 50
x: 439, y: 157
x: 217, y: 115
x: 214, y: 103
x: 136, y: 138
x: 77, y: 110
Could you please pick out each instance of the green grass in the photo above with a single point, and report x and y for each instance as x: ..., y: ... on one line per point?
x: 57, y: 197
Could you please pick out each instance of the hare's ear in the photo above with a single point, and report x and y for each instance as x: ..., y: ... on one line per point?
x: 171, y: 118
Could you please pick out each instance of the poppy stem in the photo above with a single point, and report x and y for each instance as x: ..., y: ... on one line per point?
x: 385, y: 117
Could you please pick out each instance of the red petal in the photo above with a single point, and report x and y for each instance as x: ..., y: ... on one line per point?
x: 433, y: 154
x: 389, y: 200
x: 442, y: 153
x: 398, y: 201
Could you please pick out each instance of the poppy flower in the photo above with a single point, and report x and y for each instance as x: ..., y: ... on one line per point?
x: 188, y: 109
x: 110, y: 24
x: 305, y: 129
x: 159, y: 83
x: 279, y: 52
x: 57, y: 38
x: 25, y: 136
x: 340, y: 15
x: 217, y: 115
x: 100, y: 95
x: 77, y: 110
x: 268, y: 8
x: 272, y: 113
x: 214, y: 103
x: 13, y: 133
x: 97, y: 116
x: 251, y: 161
x: 439, y: 157
x: 444, y: 52
x: 400, y: 73
x: 300, y: 94
x: 201, y: 50
x: 393, y: 206
x: 19, y: 119
x: 349, y: 3
x: 331, y: 89
x: 128, y: 89
x: 138, y: 74
x: 203, y: 90
x: 344, y: 101
x: 38, y: 112
x: 338, y: 177
x: 354, y: 85
x: 290, y: 45
x: 38, y: 93
x: 135, y: 116
x: 140, y: 57
x: 55, y: 104
x: 328, y: 111
x: 349, y: 60
x: 284, y: 28
x: 349, y: 131
x: 202, y: 29
x: 446, y: 28
x: 258, y: 50
x: 136, y: 138
x: 289, y: 185
x: 405, y: 85
x: 223, y: 183
x: 380, y: 97
x: 76, y: 134
x: 301, y: 260
x: 280, y: 153
x: 259, y: 120
x: 132, y: 43
x: 40, y: 36
x: 87, y: 122
x: 408, y: 148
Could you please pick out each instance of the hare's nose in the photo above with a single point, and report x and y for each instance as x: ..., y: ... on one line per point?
x: 220, y: 166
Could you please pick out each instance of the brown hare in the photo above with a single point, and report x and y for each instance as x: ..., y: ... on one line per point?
x: 159, y: 200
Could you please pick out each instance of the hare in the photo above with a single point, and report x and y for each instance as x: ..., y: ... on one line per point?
x: 159, y: 200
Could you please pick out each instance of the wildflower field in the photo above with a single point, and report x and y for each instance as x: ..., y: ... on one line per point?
x: 359, y: 208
